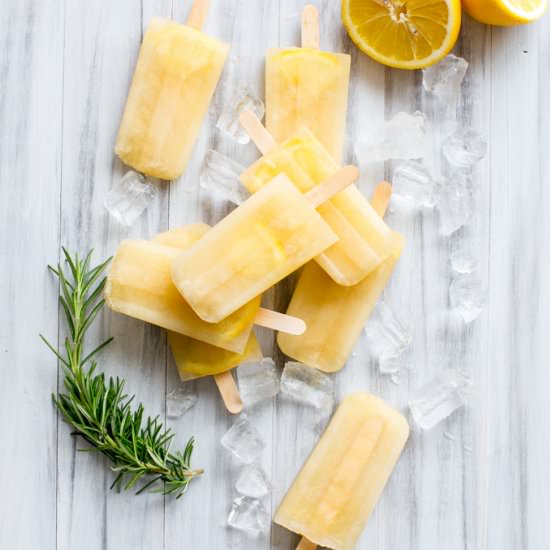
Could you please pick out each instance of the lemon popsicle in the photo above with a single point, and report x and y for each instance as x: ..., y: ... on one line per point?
x: 336, y: 490
x: 308, y: 87
x: 194, y: 358
x: 139, y: 284
x: 364, y: 238
x: 273, y: 233
x: 182, y: 237
x: 335, y: 315
x: 176, y: 73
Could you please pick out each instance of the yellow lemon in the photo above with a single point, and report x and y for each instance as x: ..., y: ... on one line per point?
x: 407, y: 34
x: 505, y: 12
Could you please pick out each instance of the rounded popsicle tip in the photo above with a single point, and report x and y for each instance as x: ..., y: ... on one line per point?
x: 310, y: 27
x: 350, y: 171
x: 296, y: 326
x: 229, y: 392
x: 381, y: 197
x: 234, y: 408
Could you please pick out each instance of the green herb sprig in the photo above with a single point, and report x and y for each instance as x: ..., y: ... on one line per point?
x: 98, y: 409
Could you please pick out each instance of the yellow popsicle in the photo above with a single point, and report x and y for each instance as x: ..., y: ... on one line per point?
x: 335, y: 315
x: 265, y: 239
x: 307, y: 87
x: 140, y: 285
x: 364, y: 239
x: 335, y: 492
x: 182, y: 237
x: 194, y: 358
x: 176, y: 73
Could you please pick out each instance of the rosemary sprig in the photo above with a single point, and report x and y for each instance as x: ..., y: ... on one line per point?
x: 98, y: 409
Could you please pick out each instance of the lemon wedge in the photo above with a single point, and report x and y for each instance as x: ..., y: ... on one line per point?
x: 505, y: 12
x: 407, y: 34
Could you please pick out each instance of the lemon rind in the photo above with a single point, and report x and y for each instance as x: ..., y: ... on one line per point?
x: 453, y: 27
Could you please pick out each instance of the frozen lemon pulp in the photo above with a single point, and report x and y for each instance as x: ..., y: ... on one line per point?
x: 407, y: 34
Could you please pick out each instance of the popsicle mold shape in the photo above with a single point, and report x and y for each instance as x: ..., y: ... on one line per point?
x: 177, y: 71
x: 335, y: 492
x: 308, y: 87
x: 273, y: 233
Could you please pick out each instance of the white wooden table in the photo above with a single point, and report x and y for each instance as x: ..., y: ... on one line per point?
x: 64, y: 74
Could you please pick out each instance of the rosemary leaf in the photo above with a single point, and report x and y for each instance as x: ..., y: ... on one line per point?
x: 97, y: 408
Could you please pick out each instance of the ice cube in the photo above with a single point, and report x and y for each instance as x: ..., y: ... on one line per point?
x: 248, y: 514
x: 244, y: 98
x: 467, y: 296
x: 243, y: 440
x: 440, y: 397
x: 129, y: 197
x: 220, y: 174
x: 402, y: 137
x: 465, y: 148
x: 390, y: 364
x: 179, y: 401
x: 444, y: 78
x: 307, y: 385
x: 253, y: 481
x: 455, y: 203
x: 412, y: 181
x: 258, y: 381
x: 463, y: 262
x: 388, y: 335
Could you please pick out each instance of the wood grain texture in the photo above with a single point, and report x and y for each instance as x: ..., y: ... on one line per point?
x: 478, y: 481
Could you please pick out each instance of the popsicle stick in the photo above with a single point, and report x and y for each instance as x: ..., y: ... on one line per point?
x: 265, y: 143
x: 257, y: 132
x: 310, y: 27
x: 306, y: 544
x: 280, y: 322
x: 381, y: 198
x: 198, y: 14
x: 333, y: 185
x: 229, y: 392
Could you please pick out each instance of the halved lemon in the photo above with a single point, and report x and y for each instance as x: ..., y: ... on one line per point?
x: 407, y: 34
x: 505, y: 12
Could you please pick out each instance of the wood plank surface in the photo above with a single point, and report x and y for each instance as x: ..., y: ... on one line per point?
x: 478, y: 481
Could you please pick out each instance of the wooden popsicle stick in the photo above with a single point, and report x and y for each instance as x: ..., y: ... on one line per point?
x: 256, y: 130
x: 306, y: 544
x: 198, y: 14
x: 265, y: 143
x: 229, y: 392
x: 333, y: 185
x: 310, y: 27
x: 280, y: 322
x: 381, y: 197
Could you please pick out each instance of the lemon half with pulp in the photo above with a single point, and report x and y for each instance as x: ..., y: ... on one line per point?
x: 505, y: 12
x: 407, y: 34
